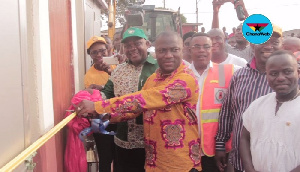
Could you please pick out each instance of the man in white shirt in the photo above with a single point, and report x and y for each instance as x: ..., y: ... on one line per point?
x: 219, y: 54
x: 213, y: 80
x: 242, y: 48
x: 272, y: 121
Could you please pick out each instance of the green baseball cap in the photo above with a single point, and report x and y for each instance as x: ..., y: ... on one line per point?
x: 133, y: 31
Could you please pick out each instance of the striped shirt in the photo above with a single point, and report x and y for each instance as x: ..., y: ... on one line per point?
x: 247, y: 84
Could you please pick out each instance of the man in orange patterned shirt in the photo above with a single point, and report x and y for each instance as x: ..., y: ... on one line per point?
x: 168, y: 100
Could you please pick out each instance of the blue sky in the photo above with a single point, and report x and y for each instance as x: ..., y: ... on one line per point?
x: 285, y: 13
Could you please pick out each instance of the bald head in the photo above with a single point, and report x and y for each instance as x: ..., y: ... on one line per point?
x: 216, y: 32
x: 218, y: 45
x: 163, y: 35
x: 291, y: 44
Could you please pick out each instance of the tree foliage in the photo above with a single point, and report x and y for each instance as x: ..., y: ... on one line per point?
x: 183, y: 18
x: 120, y: 9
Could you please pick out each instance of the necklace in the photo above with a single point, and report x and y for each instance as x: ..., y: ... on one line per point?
x: 298, y: 93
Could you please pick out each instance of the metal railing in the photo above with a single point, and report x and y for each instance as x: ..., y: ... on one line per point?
x: 14, y: 163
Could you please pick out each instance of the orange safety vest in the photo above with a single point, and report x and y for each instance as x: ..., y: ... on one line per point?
x: 214, y: 90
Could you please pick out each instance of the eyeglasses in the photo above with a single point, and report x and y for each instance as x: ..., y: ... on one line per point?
x: 95, y: 52
x: 198, y: 47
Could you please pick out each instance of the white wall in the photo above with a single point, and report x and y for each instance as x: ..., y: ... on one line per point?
x: 26, y: 99
x: 78, y: 41
x: 92, y: 24
x: 86, y: 22
x: 44, y: 53
x: 11, y: 98
x: 26, y: 89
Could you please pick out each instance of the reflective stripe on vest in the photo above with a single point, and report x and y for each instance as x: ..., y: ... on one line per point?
x: 211, y: 115
x: 222, y: 76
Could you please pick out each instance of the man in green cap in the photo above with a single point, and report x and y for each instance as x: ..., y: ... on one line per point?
x: 130, y: 77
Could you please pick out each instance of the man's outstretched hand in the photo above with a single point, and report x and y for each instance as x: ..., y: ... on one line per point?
x: 84, y: 108
x: 218, y: 3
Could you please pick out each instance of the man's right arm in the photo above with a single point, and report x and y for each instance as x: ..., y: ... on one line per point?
x: 225, y: 118
x: 216, y: 8
x: 181, y: 88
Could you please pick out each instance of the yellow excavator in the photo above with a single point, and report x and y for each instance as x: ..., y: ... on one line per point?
x: 152, y: 20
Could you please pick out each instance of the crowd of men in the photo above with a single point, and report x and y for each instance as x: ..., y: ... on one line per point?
x: 202, y: 104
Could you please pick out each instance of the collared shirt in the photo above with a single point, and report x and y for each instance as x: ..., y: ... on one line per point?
x: 186, y: 62
x: 126, y: 79
x: 247, y: 84
x: 200, y: 79
x: 94, y: 76
x: 171, y: 135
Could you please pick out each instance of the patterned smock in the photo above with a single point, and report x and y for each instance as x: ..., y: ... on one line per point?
x: 170, y: 126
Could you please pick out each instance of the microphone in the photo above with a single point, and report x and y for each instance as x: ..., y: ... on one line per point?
x: 240, y: 11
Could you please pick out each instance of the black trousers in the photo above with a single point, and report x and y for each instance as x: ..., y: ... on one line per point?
x: 193, y: 170
x: 209, y: 164
x: 106, y: 151
x: 130, y: 160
